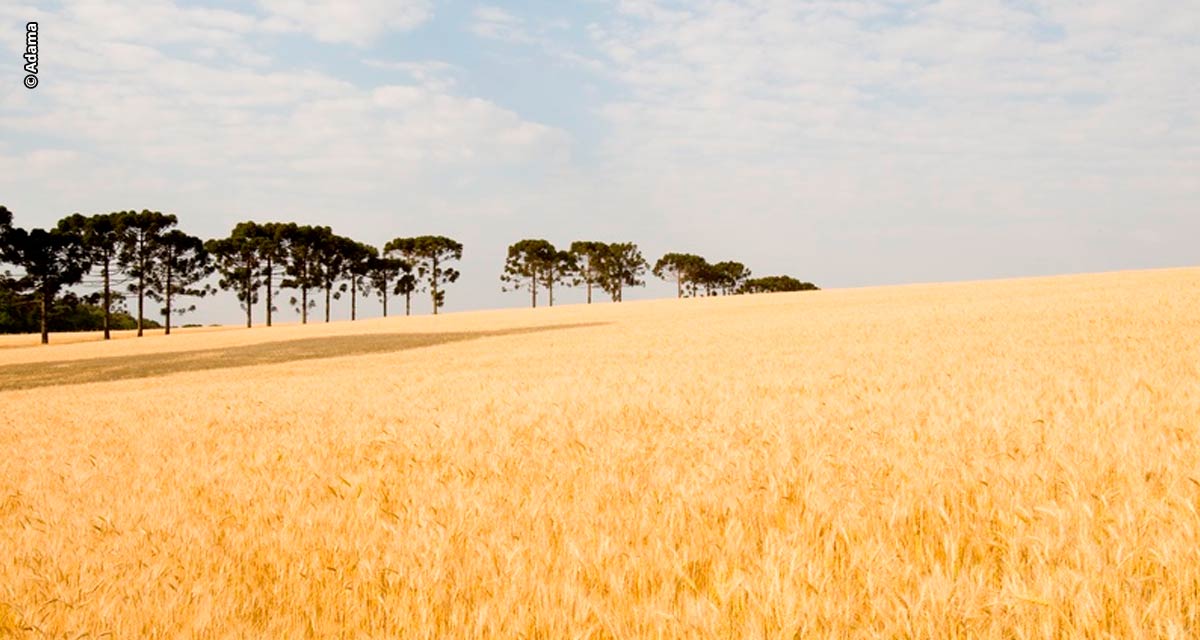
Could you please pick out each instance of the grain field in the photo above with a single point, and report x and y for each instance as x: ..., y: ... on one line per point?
x: 1007, y: 459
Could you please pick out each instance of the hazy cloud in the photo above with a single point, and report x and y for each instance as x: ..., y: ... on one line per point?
x: 358, y: 23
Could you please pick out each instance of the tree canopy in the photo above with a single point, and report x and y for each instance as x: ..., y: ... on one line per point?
x: 180, y: 270
x: 51, y: 260
x: 621, y: 266
x: 525, y: 267
x: 236, y: 259
x: 680, y: 268
x: 432, y: 253
x: 101, y: 235
x: 139, y: 240
x: 409, y: 282
x: 587, y: 256
x: 775, y: 284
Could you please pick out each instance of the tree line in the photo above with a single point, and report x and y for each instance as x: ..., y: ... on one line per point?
x: 138, y: 255
x: 535, y: 264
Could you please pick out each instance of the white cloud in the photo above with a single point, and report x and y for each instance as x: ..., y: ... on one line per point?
x: 769, y: 83
x: 157, y: 22
x: 141, y: 118
x: 160, y: 22
x: 433, y: 73
x: 357, y: 23
x: 497, y: 24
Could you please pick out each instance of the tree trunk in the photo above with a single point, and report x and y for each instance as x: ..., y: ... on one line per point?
x: 167, y: 297
x: 433, y: 278
x: 270, y: 298
x: 679, y: 287
x: 141, y: 296
x: 408, y: 304
x: 550, y: 291
x: 589, y: 290
x: 533, y: 289
x: 328, y: 291
x: 141, y: 280
x: 141, y: 301
x: 45, y: 308
x: 304, y: 304
x: 383, y: 294
x: 107, y: 301
x: 249, y: 302
x: 353, y: 299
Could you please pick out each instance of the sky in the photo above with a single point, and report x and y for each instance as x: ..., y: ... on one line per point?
x: 844, y: 142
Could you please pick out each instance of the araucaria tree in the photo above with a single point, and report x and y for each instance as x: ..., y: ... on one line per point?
x: 358, y: 266
x: 587, y: 257
x: 271, y: 240
x: 560, y: 270
x: 101, y: 235
x: 140, y: 237
x: 622, y: 266
x: 333, y: 253
x: 776, y: 284
x: 704, y: 277
x: 680, y: 268
x: 302, y: 269
x: 382, y: 272
x: 731, y: 276
x: 51, y: 260
x: 405, y: 250
x: 180, y: 270
x: 237, y: 263
x: 433, y: 252
x: 526, y: 266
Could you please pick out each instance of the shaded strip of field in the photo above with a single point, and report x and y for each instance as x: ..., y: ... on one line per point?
x: 67, y: 372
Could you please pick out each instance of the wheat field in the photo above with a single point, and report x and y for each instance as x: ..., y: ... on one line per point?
x: 1006, y: 459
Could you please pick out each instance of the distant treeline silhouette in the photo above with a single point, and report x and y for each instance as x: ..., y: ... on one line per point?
x: 143, y: 255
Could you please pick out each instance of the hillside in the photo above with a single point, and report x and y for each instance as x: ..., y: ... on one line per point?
x: 991, y: 459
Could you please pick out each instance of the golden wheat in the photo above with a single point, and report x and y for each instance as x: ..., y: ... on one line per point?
x: 1016, y: 459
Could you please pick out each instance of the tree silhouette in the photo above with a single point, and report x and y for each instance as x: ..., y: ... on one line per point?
x: 333, y: 254
x: 730, y: 276
x: 773, y: 284
x: 588, y: 258
x: 526, y: 265
x: 433, y: 252
x: 405, y: 249
x: 302, y: 263
x: 358, y: 265
x: 101, y: 235
x: 181, y: 267
x: 381, y: 272
x: 679, y: 268
x: 621, y: 266
x: 705, y: 276
x: 237, y: 263
x: 140, y: 235
x: 6, y: 218
x: 271, y: 242
x: 51, y: 261
x: 560, y: 270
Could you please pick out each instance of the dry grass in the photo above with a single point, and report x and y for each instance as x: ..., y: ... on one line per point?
x: 30, y: 375
x: 1014, y: 459
x: 12, y: 341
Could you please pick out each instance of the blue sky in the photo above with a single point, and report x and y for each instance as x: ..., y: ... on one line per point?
x: 847, y: 142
